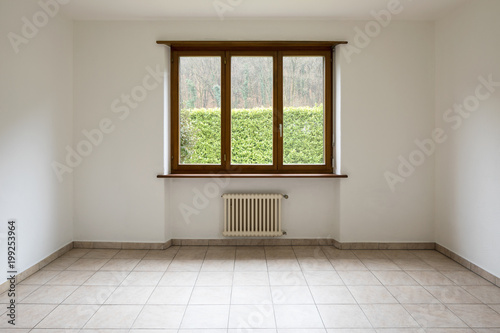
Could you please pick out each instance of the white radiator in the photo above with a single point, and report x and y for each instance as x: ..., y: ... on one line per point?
x: 252, y: 215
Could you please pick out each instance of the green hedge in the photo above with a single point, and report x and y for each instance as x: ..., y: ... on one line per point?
x: 252, y: 136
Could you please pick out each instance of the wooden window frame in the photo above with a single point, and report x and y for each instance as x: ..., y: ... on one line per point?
x: 278, y: 50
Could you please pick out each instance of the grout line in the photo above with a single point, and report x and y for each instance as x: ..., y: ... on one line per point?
x: 309, y: 288
x: 425, y: 259
x: 60, y: 303
x: 152, y: 292
x: 270, y: 289
x: 232, y: 285
x: 194, y: 285
x: 354, y: 298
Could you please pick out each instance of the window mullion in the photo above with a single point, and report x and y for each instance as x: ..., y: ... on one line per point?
x: 226, y: 110
x: 278, y: 91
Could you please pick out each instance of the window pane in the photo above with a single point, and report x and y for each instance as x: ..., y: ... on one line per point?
x: 252, y: 110
x: 303, y: 113
x: 200, y: 110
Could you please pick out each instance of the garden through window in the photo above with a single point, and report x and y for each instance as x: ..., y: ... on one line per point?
x: 245, y: 108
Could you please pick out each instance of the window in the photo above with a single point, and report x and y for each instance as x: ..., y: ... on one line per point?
x: 252, y: 107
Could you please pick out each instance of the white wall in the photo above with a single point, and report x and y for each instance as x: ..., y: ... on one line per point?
x: 467, y: 164
x: 117, y: 195
x: 35, y: 125
x: 387, y: 102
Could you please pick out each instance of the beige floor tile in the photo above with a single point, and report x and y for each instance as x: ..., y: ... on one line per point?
x: 210, y: 295
x: 283, y: 265
x: 343, y: 316
x: 221, y: 253
x: 52, y: 330
x: 87, y: 264
x: 402, y: 330
x: 449, y: 330
x: 250, y: 252
x: 21, y: 292
x: 126, y: 265
x: 303, y: 330
x: 291, y: 295
x: 380, y: 264
x: 297, y: 316
x: 130, y: 295
x: 40, y: 277
x: 100, y: 254
x: 71, y: 278
x: 106, y: 279
x: 184, y: 279
x: 148, y: 330
x: 75, y: 253
x: 114, y: 316
x: 250, y: 265
x: 218, y: 266
x: 332, y: 295
x: 171, y: 295
x: 192, y: 250
x: 429, y: 255
x: 49, y: 294
x: 486, y: 294
x: 309, y: 252
x: 189, y: 256
x: 287, y: 278
x: 160, y: 316
x: 355, y: 330
x: 412, y: 294
x: 251, y: 279
x: 28, y: 315
x: 251, y: 295
x: 351, y: 264
x: 323, y: 278
x: 372, y: 294
x: 154, y: 265
x: 333, y: 253
x: 451, y: 294
x: 370, y: 254
x: 279, y: 252
x: 412, y: 264
x: 395, y: 278
x: 206, y: 316
x: 399, y: 254
x: 359, y: 278
x: 434, y: 315
x: 90, y: 295
x: 430, y: 278
x: 388, y: 316
x: 68, y: 316
x: 206, y: 279
x: 217, y: 285
x: 160, y: 254
x: 466, y: 278
x: 246, y: 317
x: 214, y: 330
x: 314, y: 264
x: 142, y: 279
x: 131, y: 254
x: 495, y: 307
x: 476, y: 315
x: 185, y: 265
x: 445, y: 265
x: 60, y: 264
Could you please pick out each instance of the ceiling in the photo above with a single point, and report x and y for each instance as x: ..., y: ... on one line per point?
x: 252, y: 9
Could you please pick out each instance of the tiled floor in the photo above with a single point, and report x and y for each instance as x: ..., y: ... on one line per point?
x: 254, y: 289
